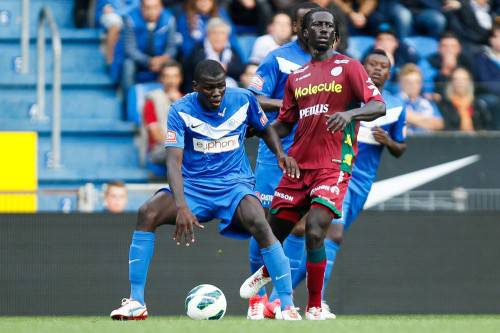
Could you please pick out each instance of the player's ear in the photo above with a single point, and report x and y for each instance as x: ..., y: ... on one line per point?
x: 194, y: 84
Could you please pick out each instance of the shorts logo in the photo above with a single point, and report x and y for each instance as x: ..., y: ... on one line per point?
x: 336, y: 71
x: 264, y: 197
x: 283, y: 196
x: 314, y: 110
x: 318, y: 88
x: 216, y: 146
x: 257, y: 82
x: 334, y: 189
x: 171, y: 137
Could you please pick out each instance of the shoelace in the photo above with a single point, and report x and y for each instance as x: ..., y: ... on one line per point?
x: 315, y: 311
x: 254, y: 281
x: 256, y: 308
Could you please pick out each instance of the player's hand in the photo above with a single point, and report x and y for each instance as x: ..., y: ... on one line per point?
x: 338, y: 121
x: 289, y: 166
x: 381, y: 136
x: 184, y: 226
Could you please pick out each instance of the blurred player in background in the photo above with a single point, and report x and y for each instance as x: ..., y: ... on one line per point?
x: 324, y: 99
x: 388, y: 131
x: 206, y: 160
x: 269, y: 86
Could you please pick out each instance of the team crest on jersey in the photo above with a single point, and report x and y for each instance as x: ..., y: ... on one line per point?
x: 171, y: 137
x: 257, y: 82
x: 336, y: 71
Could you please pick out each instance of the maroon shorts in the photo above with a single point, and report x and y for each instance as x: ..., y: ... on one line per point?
x: 323, y: 187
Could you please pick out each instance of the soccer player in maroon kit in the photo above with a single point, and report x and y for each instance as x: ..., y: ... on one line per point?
x: 326, y: 98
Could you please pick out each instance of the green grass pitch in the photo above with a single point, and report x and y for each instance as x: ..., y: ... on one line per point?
x: 347, y: 324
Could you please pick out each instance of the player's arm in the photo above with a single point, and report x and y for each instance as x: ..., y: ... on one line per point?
x: 395, y: 148
x: 269, y: 104
x: 286, y: 163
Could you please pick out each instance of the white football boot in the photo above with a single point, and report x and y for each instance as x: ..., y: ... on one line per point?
x: 256, y: 306
x: 252, y: 285
x: 130, y: 310
x: 327, y: 312
x: 290, y: 313
x: 314, y: 313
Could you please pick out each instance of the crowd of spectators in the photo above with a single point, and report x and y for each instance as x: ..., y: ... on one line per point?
x: 456, y: 88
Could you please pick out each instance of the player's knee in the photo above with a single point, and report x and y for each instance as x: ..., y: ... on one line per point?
x: 262, y: 233
x: 314, y: 235
x: 299, y: 229
x: 147, y: 217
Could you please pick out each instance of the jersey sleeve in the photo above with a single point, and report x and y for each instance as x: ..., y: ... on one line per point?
x: 398, y: 130
x: 363, y: 87
x: 256, y: 116
x: 289, y: 110
x: 175, y: 130
x: 266, y: 78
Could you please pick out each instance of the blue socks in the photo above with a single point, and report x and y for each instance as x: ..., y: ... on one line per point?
x: 331, y: 253
x: 141, y: 252
x: 294, y: 247
x: 278, y: 266
x: 256, y: 261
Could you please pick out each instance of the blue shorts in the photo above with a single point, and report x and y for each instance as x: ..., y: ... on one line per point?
x: 267, y: 178
x: 217, y: 202
x: 352, y: 206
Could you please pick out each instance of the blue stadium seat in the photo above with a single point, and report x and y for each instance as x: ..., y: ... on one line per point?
x: 246, y: 44
x: 358, y: 45
x: 425, y: 46
x: 136, y: 98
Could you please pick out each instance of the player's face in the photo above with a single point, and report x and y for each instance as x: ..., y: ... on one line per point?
x: 211, y: 90
x: 321, y: 31
x: 378, y: 68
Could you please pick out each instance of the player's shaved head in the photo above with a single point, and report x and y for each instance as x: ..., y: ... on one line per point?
x: 208, y: 69
x: 210, y: 83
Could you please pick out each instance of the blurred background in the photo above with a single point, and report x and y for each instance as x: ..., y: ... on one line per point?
x: 86, y: 86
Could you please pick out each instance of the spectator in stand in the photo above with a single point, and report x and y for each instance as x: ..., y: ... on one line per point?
x: 399, y: 53
x: 156, y: 109
x: 343, y: 23
x: 358, y: 13
x: 109, y: 16
x: 422, y: 115
x: 471, y: 21
x: 280, y: 33
x: 216, y: 46
x: 250, y: 16
x: 149, y: 35
x: 115, y: 197
x: 413, y: 16
x: 193, y: 20
x: 460, y: 110
x: 487, y: 73
x: 248, y: 75
x: 438, y: 66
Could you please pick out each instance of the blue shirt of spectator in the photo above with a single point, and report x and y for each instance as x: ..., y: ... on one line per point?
x: 120, y: 7
x: 422, y: 106
x: 141, y: 44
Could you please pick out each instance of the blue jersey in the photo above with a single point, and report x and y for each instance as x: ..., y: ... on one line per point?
x: 369, y: 150
x: 270, y: 81
x: 213, y: 140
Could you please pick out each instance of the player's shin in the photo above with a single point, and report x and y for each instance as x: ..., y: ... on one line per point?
x: 278, y: 267
x: 316, y: 264
x: 331, y: 249
x: 141, y: 252
x: 256, y: 261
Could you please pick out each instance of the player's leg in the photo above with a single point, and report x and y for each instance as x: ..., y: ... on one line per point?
x: 251, y: 215
x: 158, y: 210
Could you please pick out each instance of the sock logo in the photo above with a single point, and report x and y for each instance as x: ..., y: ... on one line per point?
x: 281, y: 276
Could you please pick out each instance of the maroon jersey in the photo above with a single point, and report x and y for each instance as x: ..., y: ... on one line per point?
x: 318, y: 89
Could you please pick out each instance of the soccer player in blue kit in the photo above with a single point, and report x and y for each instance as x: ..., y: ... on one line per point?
x: 269, y: 87
x: 388, y: 131
x: 210, y: 178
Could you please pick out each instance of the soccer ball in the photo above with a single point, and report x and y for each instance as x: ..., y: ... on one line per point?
x: 205, y: 302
